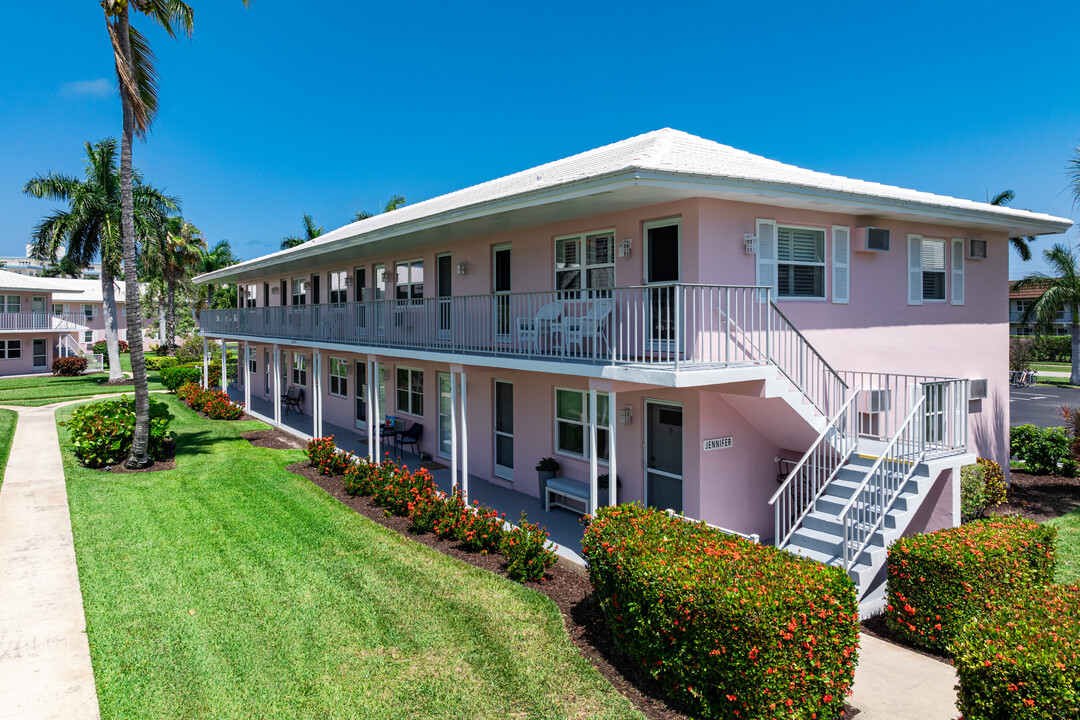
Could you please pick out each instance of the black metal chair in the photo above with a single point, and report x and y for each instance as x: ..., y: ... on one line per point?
x: 410, y: 437
x: 293, y: 399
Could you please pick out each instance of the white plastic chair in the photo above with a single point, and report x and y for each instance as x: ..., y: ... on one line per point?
x: 591, y: 327
x: 529, y: 329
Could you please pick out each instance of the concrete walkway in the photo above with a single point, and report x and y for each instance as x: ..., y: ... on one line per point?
x: 45, y: 669
x: 892, y: 683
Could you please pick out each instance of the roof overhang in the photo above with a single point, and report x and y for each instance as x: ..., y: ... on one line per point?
x: 617, y: 191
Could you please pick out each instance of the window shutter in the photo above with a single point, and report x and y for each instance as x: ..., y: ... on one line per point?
x: 841, y: 264
x: 766, y: 255
x: 957, y: 271
x: 914, y: 270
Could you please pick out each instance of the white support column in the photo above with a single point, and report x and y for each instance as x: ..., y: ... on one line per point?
x: 205, y: 363
x: 224, y: 365
x: 316, y: 393
x: 613, y: 482
x: 376, y: 417
x: 453, y: 430
x: 277, y: 385
x: 244, y: 371
x: 464, y: 438
x: 369, y: 411
x: 593, y: 492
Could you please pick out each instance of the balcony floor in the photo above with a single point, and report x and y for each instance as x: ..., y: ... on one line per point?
x: 564, y: 526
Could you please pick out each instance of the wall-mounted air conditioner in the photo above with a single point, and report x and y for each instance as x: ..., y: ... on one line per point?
x: 976, y: 249
x: 871, y: 239
x: 977, y: 389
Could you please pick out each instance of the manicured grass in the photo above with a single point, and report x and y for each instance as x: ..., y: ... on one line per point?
x: 1056, y: 382
x: 230, y: 588
x: 8, y: 419
x: 45, y: 390
x: 1068, y: 547
x: 1051, y: 367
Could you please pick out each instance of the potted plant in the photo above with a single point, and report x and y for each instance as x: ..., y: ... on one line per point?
x: 602, y: 487
x: 546, y: 469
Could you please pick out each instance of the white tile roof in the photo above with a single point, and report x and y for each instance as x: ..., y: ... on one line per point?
x: 674, y: 153
x: 16, y: 281
x: 85, y: 291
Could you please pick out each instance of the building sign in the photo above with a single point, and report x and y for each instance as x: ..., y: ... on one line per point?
x: 718, y: 443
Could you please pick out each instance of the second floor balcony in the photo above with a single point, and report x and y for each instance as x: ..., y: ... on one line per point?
x: 42, y: 321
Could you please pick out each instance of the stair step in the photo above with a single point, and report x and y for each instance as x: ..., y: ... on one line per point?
x: 826, y: 522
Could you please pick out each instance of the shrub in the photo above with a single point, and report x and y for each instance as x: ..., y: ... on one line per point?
x: 547, y: 464
x: 320, y: 449
x: 527, y: 555
x: 427, y: 507
x: 1020, y: 353
x: 173, y: 377
x: 217, y: 406
x: 480, y: 529
x: 1018, y: 660
x: 938, y: 581
x: 995, y: 488
x: 190, y: 349
x: 102, y: 432
x: 159, y: 363
x: 729, y: 628
x: 395, y: 487
x: 360, y: 478
x: 972, y: 491
x: 102, y: 348
x: 1051, y: 348
x: 69, y: 366
x: 1041, y: 449
x: 454, y: 509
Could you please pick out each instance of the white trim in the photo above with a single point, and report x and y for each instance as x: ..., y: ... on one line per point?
x: 423, y: 390
x: 841, y: 264
x: 645, y: 451
x: 585, y: 453
x: 330, y: 375
x: 956, y: 266
x: 583, y: 261
x: 765, y: 260
x: 499, y: 471
x: 675, y: 220
x: 778, y: 226
x: 914, y: 270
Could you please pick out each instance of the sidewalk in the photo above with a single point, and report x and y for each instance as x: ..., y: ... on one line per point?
x: 893, y: 683
x: 45, y: 669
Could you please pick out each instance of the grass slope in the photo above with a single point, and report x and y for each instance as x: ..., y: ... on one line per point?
x: 8, y: 418
x: 1067, y: 547
x: 229, y: 588
x: 45, y: 390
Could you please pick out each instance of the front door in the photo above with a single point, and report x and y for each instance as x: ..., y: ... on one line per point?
x: 446, y: 407
x: 361, y: 394
x: 500, y: 287
x: 662, y: 269
x: 504, y: 429
x: 266, y: 373
x: 663, y: 456
x: 37, y: 307
x: 379, y: 294
x: 443, y: 279
x: 41, y: 354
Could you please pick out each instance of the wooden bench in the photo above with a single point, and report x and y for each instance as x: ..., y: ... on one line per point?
x: 571, y: 495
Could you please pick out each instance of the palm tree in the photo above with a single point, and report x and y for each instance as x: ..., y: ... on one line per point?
x: 1060, y: 292
x: 1022, y: 245
x: 210, y: 259
x: 310, y: 233
x: 171, y: 256
x: 90, y: 226
x: 65, y: 267
x: 392, y: 204
x: 137, y: 74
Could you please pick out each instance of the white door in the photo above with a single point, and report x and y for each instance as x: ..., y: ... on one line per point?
x: 361, y: 394
x: 662, y: 258
x: 504, y: 429
x: 37, y: 307
x: 41, y: 354
x: 663, y: 455
x: 446, y: 408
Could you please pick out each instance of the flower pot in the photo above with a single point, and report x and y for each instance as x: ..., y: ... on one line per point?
x: 544, y: 476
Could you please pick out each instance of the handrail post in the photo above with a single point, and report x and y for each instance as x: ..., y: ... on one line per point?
x: 677, y: 334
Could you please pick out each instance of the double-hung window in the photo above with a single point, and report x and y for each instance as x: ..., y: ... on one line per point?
x: 339, y: 377
x: 409, y: 280
x: 249, y: 296
x: 933, y: 269
x: 800, y: 258
x: 299, y: 369
x: 337, y: 281
x: 11, y: 303
x: 88, y: 336
x: 10, y: 349
x: 58, y: 309
x: 585, y: 262
x: 572, y: 423
x: 410, y: 391
x: 252, y: 355
x: 299, y: 291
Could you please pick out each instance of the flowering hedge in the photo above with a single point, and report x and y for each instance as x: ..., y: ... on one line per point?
x: 102, y: 432
x: 1021, y: 660
x: 526, y: 549
x: 728, y: 627
x: 938, y: 581
x: 69, y: 366
x: 214, y: 403
x: 323, y: 454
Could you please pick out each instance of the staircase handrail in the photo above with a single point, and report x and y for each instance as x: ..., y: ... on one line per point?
x: 874, y: 472
x: 773, y: 356
x: 843, y: 453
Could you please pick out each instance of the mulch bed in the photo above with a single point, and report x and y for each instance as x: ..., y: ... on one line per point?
x: 168, y: 463
x: 568, y: 588
x: 1040, y: 497
x: 274, y: 439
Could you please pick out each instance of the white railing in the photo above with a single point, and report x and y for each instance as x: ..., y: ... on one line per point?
x: 40, y: 321
x: 887, y: 400
x: 865, y: 512
x: 670, y: 324
x: 752, y: 537
x: 95, y: 362
x: 814, y: 471
x: 790, y: 351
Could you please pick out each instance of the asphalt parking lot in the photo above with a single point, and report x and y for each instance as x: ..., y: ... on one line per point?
x: 1040, y: 405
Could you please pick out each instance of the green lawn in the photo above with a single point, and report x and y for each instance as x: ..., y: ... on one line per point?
x: 1051, y: 367
x: 7, y: 434
x: 35, y: 391
x: 230, y: 588
x: 1068, y: 547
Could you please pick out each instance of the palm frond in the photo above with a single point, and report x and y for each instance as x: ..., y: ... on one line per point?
x: 127, y: 76
x: 1003, y: 198
x: 51, y: 187
x: 1072, y: 171
x: 394, y: 203
x: 144, y: 64
x: 363, y: 215
x: 1020, y: 245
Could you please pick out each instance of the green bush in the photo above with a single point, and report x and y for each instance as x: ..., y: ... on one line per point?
x: 972, y: 491
x: 174, y: 377
x: 324, y: 454
x: 159, y: 363
x: 938, y: 581
x: 1018, y: 660
x: 995, y: 487
x: 729, y: 628
x: 102, y: 432
x: 1041, y: 449
x: 480, y: 529
x: 1051, y: 348
x: 526, y: 550
x: 69, y: 366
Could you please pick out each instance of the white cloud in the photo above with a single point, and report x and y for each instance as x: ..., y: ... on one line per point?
x: 88, y: 88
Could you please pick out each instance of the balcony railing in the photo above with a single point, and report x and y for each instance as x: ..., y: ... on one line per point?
x: 40, y: 321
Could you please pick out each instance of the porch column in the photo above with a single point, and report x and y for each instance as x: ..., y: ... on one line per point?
x: 464, y: 438
x: 453, y: 429
x: 277, y: 385
x: 224, y: 365
x: 593, y: 492
x: 205, y: 363
x: 368, y: 411
x: 316, y: 393
x: 376, y: 418
x: 612, y: 424
x: 246, y: 375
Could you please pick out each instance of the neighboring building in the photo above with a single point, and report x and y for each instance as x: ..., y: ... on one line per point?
x: 1021, y: 300
x: 83, y: 298
x: 34, y: 268
x: 716, y: 310
x: 31, y: 334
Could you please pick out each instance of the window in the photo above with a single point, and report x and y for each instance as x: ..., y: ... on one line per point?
x: 249, y: 296
x: 299, y: 291
x: 800, y: 258
x: 88, y: 311
x: 410, y: 391
x: 88, y: 336
x: 339, y: 377
x: 379, y: 272
x: 11, y: 349
x: 252, y: 355
x: 933, y: 269
x: 585, y: 262
x: 572, y: 423
x: 338, y: 281
x: 299, y: 369
x: 10, y: 303
x: 58, y: 309
x: 409, y: 284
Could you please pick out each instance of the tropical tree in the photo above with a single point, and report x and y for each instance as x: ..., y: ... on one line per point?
x: 171, y: 256
x: 1060, y: 292
x: 65, y: 267
x: 137, y: 74
x: 210, y: 259
x: 1022, y: 245
x: 311, y: 231
x: 392, y: 204
x: 90, y: 226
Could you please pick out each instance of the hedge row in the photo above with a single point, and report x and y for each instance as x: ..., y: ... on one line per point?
x: 938, y: 581
x: 173, y: 377
x: 1048, y: 348
x: 214, y: 403
x: 728, y: 627
x: 69, y: 366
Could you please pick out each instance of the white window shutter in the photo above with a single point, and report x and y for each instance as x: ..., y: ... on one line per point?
x: 841, y: 264
x: 914, y: 270
x: 957, y: 271
x: 766, y: 255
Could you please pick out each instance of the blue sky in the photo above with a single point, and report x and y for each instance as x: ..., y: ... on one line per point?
x: 332, y: 107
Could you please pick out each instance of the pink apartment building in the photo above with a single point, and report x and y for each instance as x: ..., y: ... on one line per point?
x: 794, y: 356
x: 83, y: 298
x: 32, y: 332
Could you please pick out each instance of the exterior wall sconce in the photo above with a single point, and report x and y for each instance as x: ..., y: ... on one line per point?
x: 625, y: 413
x: 750, y: 244
x: 462, y: 267
x: 625, y: 247
x: 274, y: 290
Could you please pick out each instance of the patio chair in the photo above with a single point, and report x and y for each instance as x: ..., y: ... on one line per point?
x: 530, y: 330
x: 293, y: 399
x: 410, y: 437
x: 591, y: 327
x: 389, y: 429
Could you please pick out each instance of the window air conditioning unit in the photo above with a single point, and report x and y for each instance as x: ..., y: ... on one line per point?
x: 976, y: 249
x: 875, y: 401
x: 871, y: 239
x: 977, y: 389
